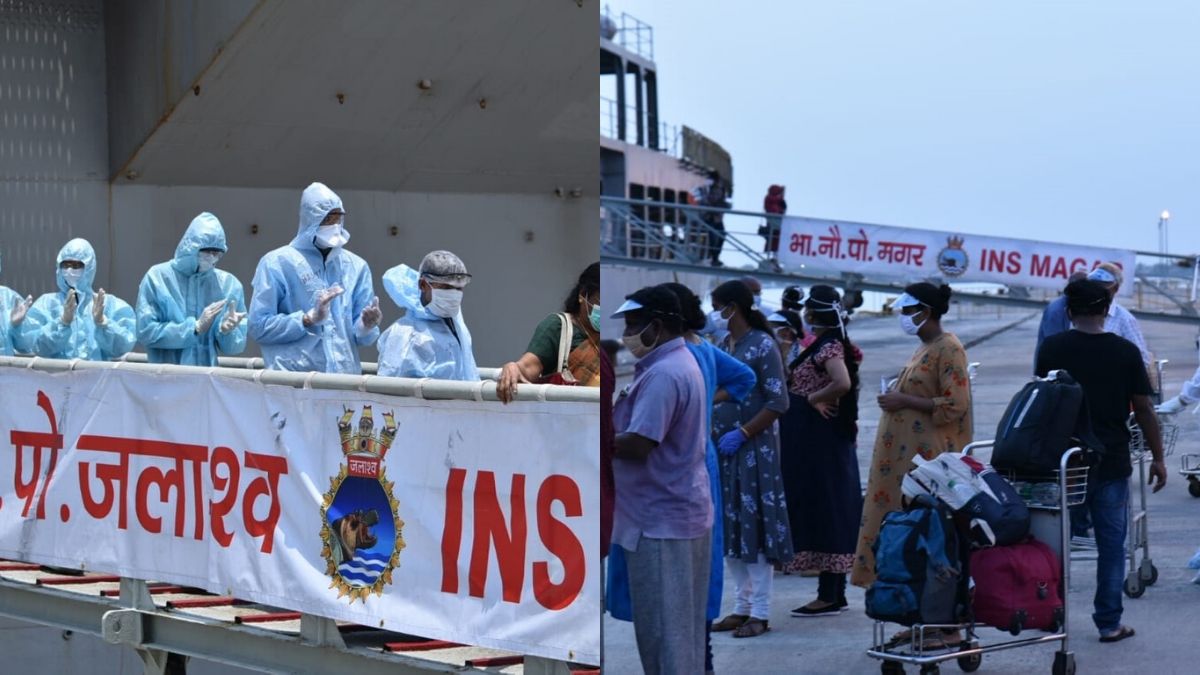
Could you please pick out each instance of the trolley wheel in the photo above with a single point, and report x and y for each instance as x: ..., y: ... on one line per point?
x: 1193, y: 486
x: 970, y: 664
x: 1134, y: 587
x: 1148, y: 573
x: 1017, y: 624
x: 1064, y: 663
x: 891, y: 668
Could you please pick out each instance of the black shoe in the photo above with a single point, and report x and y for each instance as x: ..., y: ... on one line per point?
x: 827, y: 610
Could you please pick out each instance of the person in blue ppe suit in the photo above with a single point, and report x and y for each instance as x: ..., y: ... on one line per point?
x: 430, y: 339
x: 13, y: 309
x: 189, y: 312
x: 314, y: 303
x: 75, y: 322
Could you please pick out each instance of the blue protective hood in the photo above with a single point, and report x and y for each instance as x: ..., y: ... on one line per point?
x: 403, y: 287
x: 316, y: 202
x: 81, y: 250
x: 204, y: 232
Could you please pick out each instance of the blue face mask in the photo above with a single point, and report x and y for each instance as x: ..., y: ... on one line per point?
x: 595, y: 317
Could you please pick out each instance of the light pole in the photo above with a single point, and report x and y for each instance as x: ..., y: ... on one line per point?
x: 1164, y: 220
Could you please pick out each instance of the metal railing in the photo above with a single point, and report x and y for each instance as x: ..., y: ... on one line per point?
x: 257, y: 363
x: 1165, y: 286
x: 483, y: 390
x: 650, y: 230
x: 631, y: 33
x: 670, y: 137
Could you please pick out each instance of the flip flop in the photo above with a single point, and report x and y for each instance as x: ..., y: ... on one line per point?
x: 1122, y: 633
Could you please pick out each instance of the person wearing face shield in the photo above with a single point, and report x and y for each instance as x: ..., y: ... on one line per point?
x: 13, y: 310
x: 819, y: 458
x: 663, y: 515
x: 544, y: 360
x: 747, y: 437
x: 77, y: 322
x: 189, y: 312
x: 430, y: 339
x: 725, y: 378
x: 314, y: 302
x: 927, y: 412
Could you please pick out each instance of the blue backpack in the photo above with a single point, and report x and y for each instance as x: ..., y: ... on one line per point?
x: 918, y: 568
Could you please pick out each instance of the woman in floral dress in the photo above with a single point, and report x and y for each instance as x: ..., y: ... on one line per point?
x: 754, y: 509
x: 926, y: 413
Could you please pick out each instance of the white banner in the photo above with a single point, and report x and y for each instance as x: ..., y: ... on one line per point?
x: 881, y: 250
x: 464, y: 521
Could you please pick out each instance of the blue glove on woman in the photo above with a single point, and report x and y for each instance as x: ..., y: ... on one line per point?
x: 731, y: 442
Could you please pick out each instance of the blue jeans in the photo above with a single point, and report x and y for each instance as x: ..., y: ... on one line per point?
x: 1106, y: 502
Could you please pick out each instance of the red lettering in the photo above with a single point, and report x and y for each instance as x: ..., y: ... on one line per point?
x: 1079, y: 265
x: 1060, y: 268
x: 263, y: 486
x: 1014, y: 262
x: 561, y: 541
x: 452, y: 531
x: 1040, y: 267
x: 38, y: 441
x: 217, y: 510
x: 991, y: 261
x: 491, y: 530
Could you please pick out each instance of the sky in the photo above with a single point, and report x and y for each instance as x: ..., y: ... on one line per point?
x: 1060, y: 121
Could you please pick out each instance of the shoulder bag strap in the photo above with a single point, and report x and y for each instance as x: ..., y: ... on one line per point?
x: 565, y: 335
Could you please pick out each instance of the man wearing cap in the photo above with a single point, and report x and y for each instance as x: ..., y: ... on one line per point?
x: 430, y: 339
x: 1113, y: 377
x: 664, y: 513
x: 1119, y: 320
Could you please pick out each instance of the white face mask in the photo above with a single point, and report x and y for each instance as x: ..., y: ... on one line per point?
x: 635, y: 345
x: 72, y: 277
x: 909, y: 326
x: 445, y: 302
x: 332, y: 236
x: 758, y: 300
x: 720, y: 322
x: 206, y: 261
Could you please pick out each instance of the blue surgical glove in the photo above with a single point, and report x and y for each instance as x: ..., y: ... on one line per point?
x: 731, y: 441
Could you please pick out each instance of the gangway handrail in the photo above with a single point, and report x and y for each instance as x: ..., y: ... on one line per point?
x: 258, y: 363
x: 604, y: 199
x: 134, y: 621
x: 430, y: 389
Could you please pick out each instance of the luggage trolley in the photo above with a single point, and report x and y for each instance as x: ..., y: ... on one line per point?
x: 1049, y: 524
x: 1190, y: 468
x: 1142, y: 573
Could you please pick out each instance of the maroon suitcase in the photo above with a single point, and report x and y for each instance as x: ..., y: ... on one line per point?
x: 1018, y: 587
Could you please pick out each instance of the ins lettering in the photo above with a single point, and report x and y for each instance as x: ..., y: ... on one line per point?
x: 183, y: 460
x: 509, y: 539
x: 1044, y: 266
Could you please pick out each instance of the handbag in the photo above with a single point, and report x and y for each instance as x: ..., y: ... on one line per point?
x: 562, y: 376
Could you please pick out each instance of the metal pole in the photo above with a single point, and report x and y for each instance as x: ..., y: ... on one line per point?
x: 483, y: 390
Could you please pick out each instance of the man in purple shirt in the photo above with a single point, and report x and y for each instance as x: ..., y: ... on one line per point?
x: 664, y: 511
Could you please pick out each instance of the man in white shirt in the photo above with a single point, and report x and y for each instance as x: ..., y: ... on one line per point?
x: 1120, y: 321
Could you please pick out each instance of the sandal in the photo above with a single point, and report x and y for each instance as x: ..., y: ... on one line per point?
x: 1118, y: 635
x: 731, y: 622
x: 752, y: 628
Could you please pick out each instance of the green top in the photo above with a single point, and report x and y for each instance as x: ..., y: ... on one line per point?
x: 544, y: 343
